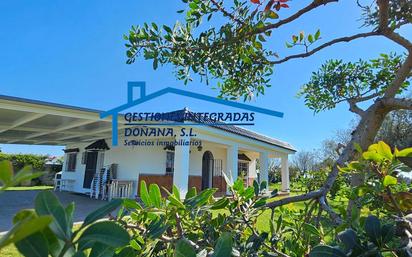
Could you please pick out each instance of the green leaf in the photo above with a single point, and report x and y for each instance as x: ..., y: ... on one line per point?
x: 79, y: 254
x: 204, y: 196
x: 34, y: 245
x: 349, y: 239
x: 389, y: 181
x: 105, y: 232
x: 176, y: 202
x: 326, y: 251
x: 263, y: 185
x: 385, y: 150
x: 55, y: 245
x: 69, y: 213
x: 131, y: 204
x: 358, y: 148
x: 309, y: 228
x: 25, y: 228
x: 102, y: 212
x: 388, y: 232
x: 288, y: 45
x: 271, y: 14
x: 256, y: 187
x: 184, y: 249
x: 373, y: 156
x: 191, y: 193
x: 310, y: 38
x: 373, y: 228
x: 176, y: 192
x: 220, y: 204
x: 223, y: 247
x: 155, y: 195
x: 155, y: 63
x: 259, y: 203
x: 407, y: 152
x: 167, y: 29
x: 156, y: 228
x: 46, y: 203
x: 301, y: 35
x: 25, y: 174
x: 126, y: 252
x: 317, y: 34
x: 101, y: 250
x: 258, y: 45
x: 144, y: 194
x: 6, y: 172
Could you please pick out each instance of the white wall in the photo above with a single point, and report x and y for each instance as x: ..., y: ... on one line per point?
x: 135, y: 160
x: 195, y: 165
x: 78, y: 174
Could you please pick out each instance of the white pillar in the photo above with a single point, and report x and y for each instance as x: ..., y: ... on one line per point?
x: 181, y: 165
x: 231, y: 162
x: 264, y: 167
x: 285, y: 174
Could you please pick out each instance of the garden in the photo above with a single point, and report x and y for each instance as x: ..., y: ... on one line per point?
x: 354, y: 200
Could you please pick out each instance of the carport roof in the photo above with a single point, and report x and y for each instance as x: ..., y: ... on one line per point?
x: 27, y: 121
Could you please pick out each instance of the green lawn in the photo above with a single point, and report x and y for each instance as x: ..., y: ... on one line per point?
x: 25, y: 188
x: 10, y: 251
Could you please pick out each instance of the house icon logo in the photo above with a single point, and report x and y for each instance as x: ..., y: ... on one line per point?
x: 131, y: 102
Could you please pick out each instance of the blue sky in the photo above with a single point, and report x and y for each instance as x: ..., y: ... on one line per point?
x: 72, y: 52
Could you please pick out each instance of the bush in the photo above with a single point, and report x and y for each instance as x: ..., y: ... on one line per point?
x: 198, y: 224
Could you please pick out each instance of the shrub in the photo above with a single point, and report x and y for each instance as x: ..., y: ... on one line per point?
x: 198, y: 224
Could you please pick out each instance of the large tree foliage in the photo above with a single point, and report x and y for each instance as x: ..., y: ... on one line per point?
x: 225, y: 40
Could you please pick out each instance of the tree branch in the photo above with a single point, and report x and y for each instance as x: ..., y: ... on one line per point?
x: 297, y: 198
x: 332, y: 42
x: 226, y: 13
x: 383, y: 14
x: 311, y: 6
x: 398, y: 103
x: 334, y: 216
x: 353, y: 107
x: 401, y: 75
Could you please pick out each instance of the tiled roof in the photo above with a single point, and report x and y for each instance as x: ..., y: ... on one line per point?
x: 187, y: 115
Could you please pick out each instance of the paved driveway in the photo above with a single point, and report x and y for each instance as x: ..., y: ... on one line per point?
x: 13, y: 201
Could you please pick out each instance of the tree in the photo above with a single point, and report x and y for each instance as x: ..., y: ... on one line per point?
x: 231, y: 51
x: 304, y: 161
x: 397, y: 129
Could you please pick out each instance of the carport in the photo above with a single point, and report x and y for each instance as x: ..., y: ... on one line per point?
x: 26, y: 121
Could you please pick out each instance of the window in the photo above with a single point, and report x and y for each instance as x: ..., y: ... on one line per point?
x: 170, y: 161
x: 71, y: 161
x: 243, y: 169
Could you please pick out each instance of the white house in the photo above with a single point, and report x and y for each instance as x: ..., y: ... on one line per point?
x: 87, y: 139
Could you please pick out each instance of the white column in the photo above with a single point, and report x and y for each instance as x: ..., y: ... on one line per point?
x: 285, y: 174
x: 181, y: 165
x: 231, y: 162
x: 264, y: 167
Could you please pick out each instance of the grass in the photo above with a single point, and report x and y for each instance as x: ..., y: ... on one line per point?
x: 262, y: 222
x: 10, y: 251
x: 25, y: 188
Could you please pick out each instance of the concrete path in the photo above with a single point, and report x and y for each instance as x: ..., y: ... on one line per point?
x: 13, y: 201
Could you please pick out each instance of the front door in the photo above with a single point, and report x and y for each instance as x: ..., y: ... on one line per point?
x: 91, y: 165
x: 207, y: 169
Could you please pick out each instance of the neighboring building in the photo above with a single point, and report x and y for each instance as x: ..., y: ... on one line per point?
x: 87, y: 139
